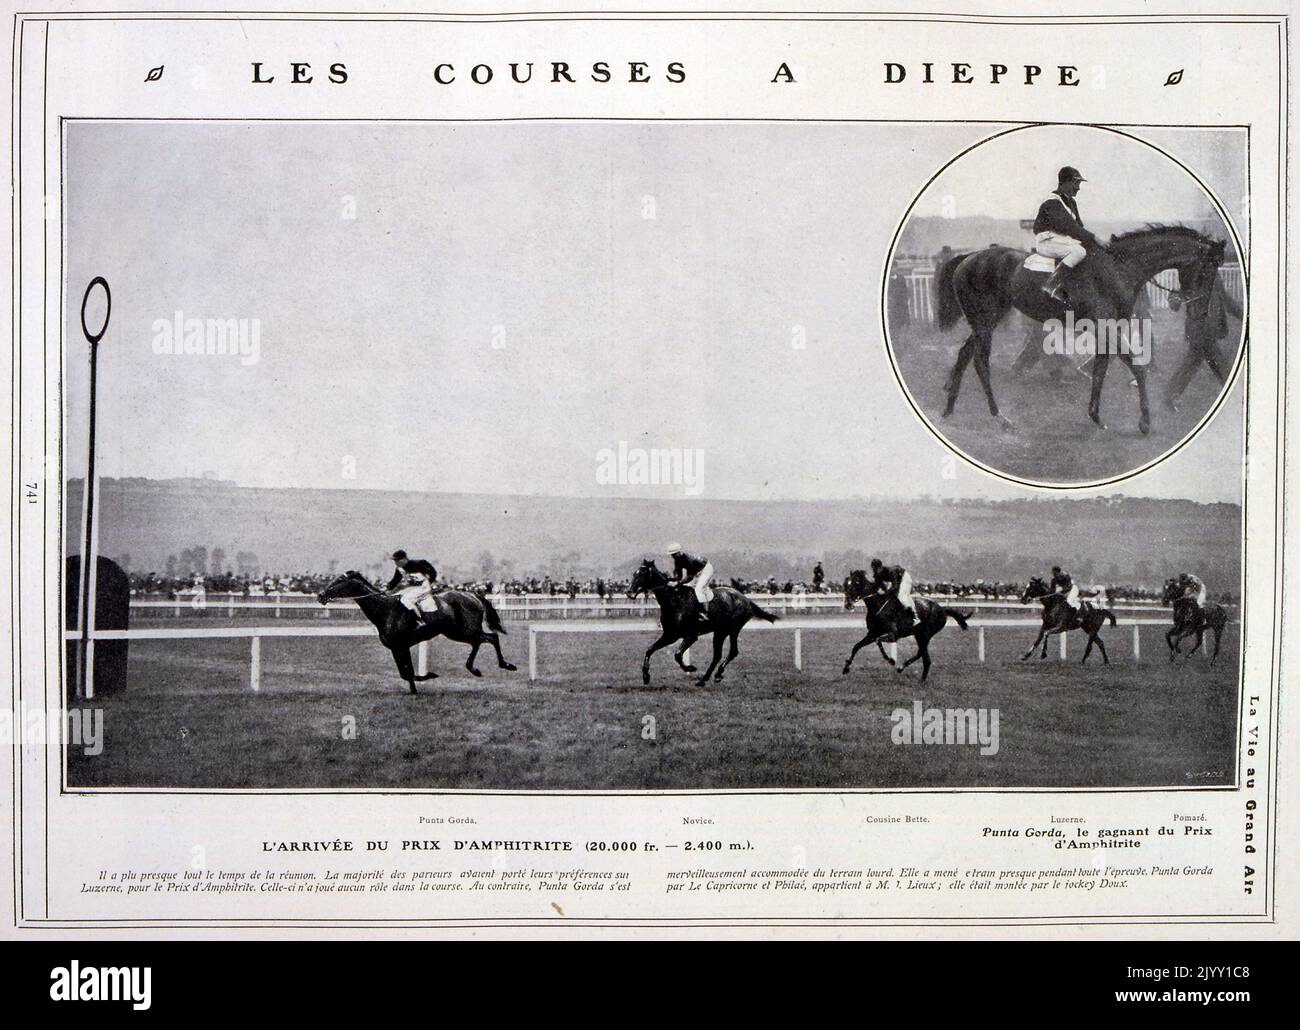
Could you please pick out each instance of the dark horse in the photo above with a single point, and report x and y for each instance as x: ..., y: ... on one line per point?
x: 728, y: 612
x: 986, y: 284
x: 1189, y: 618
x: 1058, y: 618
x: 882, y: 622
x: 400, y: 628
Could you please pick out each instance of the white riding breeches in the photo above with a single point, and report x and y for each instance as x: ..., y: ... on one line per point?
x: 700, y: 583
x: 419, y: 597
x: 1072, y: 598
x: 1200, y: 596
x: 905, y: 597
x: 1066, y: 249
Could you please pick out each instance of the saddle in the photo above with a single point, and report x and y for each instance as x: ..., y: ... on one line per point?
x: 1037, y: 262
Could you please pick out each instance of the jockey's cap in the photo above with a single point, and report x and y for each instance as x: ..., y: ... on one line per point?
x: 1069, y: 174
x: 1056, y: 568
x: 876, y: 563
x: 674, y: 548
x: 399, y: 556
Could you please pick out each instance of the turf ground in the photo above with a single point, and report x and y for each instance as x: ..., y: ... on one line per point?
x: 1053, y: 440
x: 188, y: 718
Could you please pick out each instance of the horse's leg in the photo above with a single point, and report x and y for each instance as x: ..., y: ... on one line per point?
x: 1172, y: 641
x: 982, y: 351
x: 663, y: 641
x: 868, y: 639
x: 1144, y: 404
x: 1101, y: 646
x: 883, y: 653
x: 473, y: 653
x: 1088, y: 650
x: 402, y: 656
x: 1098, y: 378
x: 718, y: 640
x: 1218, y: 636
x: 495, y: 640
x: 687, y: 643
x: 1200, y: 639
x: 953, y: 384
x: 731, y: 652
x: 1042, y: 630
x: 1178, y: 383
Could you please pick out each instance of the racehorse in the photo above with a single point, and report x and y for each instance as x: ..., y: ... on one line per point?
x: 986, y: 284
x: 1189, y: 618
x: 460, y: 618
x: 1058, y: 618
x: 728, y: 612
x: 1206, y: 324
x: 883, y: 622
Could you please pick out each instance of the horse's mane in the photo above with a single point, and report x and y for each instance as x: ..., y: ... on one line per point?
x: 1154, y: 228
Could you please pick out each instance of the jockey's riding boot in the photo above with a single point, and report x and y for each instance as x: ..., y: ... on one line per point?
x: 1054, y: 287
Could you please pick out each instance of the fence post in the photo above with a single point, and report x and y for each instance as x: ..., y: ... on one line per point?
x: 981, y: 629
x: 893, y: 650
x: 798, y: 649
x: 255, y: 670
x: 1063, y: 646
x: 421, y: 658
x: 1137, y: 642
x: 532, y: 653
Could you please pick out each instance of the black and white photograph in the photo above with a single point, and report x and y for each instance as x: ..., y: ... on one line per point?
x: 438, y: 457
x: 1045, y: 257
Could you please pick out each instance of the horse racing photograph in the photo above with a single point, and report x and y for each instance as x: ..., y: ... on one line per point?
x: 1044, y: 258
x: 572, y: 457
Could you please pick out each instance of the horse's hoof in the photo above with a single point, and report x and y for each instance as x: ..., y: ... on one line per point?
x: 510, y: 668
x: 846, y: 670
x: 689, y: 669
x: 701, y: 681
x: 1144, y: 428
x: 476, y: 672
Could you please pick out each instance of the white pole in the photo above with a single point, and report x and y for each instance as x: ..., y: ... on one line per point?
x: 893, y: 650
x: 981, y: 643
x: 422, y: 658
x: 1137, y: 642
x: 798, y: 649
x: 532, y: 653
x: 88, y: 688
x: 1062, y: 646
x: 255, y: 674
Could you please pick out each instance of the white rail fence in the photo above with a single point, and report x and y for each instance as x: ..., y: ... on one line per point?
x: 254, y: 635
x: 536, y: 629
x: 580, y: 606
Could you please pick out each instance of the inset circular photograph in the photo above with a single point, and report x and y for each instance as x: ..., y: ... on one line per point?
x: 1065, y: 306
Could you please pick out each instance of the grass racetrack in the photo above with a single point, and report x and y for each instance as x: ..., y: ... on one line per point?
x: 1053, y: 439
x: 188, y: 718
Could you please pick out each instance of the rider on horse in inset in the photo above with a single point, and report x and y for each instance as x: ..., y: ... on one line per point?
x: 896, y: 582
x: 695, y: 573
x: 1059, y: 231
x: 417, y: 578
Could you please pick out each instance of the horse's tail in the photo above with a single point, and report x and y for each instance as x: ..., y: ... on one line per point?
x: 959, y: 617
x: 762, y: 613
x: 493, y: 619
x: 948, y: 307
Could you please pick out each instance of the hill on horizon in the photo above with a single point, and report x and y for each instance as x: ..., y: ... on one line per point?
x: 146, y: 523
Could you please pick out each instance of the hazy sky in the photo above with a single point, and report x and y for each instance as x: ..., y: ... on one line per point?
x: 484, y: 308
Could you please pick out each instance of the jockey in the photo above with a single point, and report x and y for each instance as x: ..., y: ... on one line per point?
x: 896, y: 581
x: 693, y: 572
x: 416, y: 577
x: 1059, y: 231
x: 1193, y: 588
x: 1063, y: 584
